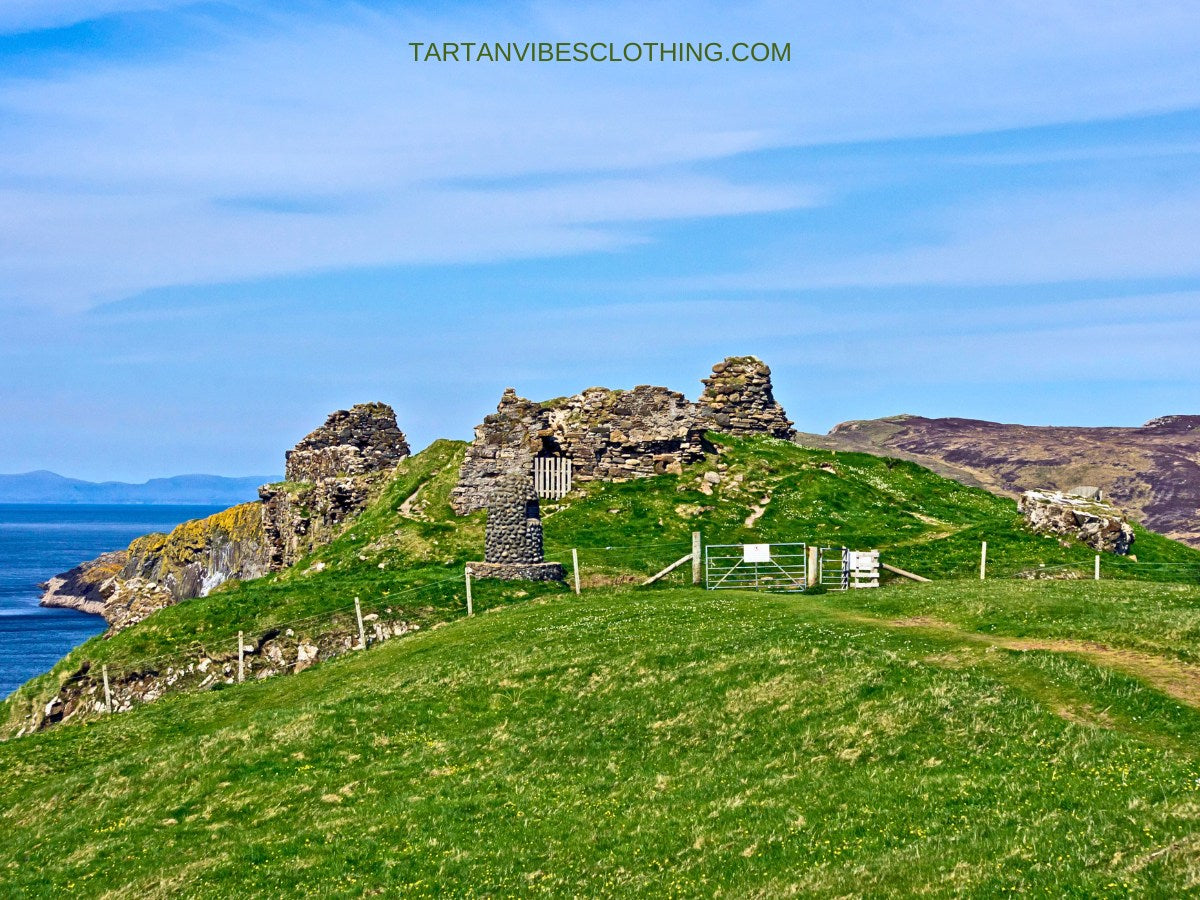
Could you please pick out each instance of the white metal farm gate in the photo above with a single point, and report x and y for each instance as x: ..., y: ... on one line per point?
x: 788, y: 567
x: 760, y: 567
x: 552, y: 476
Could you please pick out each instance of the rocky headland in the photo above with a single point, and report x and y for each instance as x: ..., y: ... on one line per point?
x: 331, y: 475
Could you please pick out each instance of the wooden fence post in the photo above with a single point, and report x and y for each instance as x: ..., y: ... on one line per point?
x: 695, y: 557
x: 575, y: 568
x: 241, y: 659
x: 983, y: 562
x: 107, y: 691
x: 470, y: 605
x: 1097, y: 567
x: 362, y: 635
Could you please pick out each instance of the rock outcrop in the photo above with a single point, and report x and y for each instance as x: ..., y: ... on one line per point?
x: 272, y: 653
x: 331, y: 476
x: 1099, y: 525
x: 88, y: 586
x: 616, y: 435
x: 159, y: 570
x: 740, y: 397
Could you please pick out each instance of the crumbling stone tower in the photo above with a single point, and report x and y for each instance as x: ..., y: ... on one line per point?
x: 331, y: 475
x: 738, y: 395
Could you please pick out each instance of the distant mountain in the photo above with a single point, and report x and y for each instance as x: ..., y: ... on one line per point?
x: 214, y: 490
x: 1152, y: 471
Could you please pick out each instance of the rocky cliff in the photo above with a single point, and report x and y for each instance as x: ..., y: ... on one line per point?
x: 1152, y: 472
x: 332, y: 473
x: 88, y: 586
x: 158, y: 570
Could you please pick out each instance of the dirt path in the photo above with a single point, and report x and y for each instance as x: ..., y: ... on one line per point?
x: 757, y: 510
x: 1176, y: 679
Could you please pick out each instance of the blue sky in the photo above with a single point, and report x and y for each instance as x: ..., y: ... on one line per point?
x: 221, y: 221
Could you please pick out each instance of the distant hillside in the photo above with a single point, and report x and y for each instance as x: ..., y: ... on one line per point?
x: 49, y: 487
x: 1152, y: 471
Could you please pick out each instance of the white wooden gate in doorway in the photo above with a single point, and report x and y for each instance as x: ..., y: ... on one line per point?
x: 552, y: 476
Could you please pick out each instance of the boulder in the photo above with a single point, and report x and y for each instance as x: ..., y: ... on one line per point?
x: 1099, y: 525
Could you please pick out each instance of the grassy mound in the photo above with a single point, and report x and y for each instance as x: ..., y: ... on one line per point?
x: 405, y: 554
x: 650, y: 743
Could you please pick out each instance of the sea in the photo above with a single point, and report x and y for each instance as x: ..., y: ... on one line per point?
x: 40, y: 541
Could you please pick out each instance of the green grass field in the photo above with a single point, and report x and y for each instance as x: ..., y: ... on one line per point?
x: 1013, y: 736
x: 653, y: 743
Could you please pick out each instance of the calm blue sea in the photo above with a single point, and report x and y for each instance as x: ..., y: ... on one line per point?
x: 37, y: 542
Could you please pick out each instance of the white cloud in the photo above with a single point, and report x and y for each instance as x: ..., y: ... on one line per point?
x: 123, y: 177
x: 1090, y: 233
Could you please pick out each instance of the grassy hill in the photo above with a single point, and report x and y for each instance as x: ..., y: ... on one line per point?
x: 1015, y: 735
x: 652, y: 743
x: 404, y: 556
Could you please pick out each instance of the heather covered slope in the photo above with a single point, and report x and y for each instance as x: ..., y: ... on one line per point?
x: 649, y: 743
x: 1153, y: 471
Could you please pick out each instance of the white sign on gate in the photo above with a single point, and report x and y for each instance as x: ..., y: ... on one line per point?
x: 864, y: 560
x: 756, y: 553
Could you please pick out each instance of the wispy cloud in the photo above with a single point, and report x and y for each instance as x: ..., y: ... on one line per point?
x: 1093, y: 233
x: 313, y: 141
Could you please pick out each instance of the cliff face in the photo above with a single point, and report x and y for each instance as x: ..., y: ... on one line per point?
x: 331, y: 476
x: 1152, y: 472
x: 158, y: 570
x: 88, y: 586
x: 614, y: 435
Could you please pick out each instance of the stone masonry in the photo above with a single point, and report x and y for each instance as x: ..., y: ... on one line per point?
x: 355, y: 441
x: 615, y: 435
x: 513, y: 548
x: 739, y: 396
x: 331, y: 475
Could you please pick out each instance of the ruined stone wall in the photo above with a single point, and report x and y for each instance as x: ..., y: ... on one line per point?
x: 608, y: 435
x: 613, y: 435
x: 355, y: 441
x: 299, y: 518
x: 331, y: 476
x: 740, y: 398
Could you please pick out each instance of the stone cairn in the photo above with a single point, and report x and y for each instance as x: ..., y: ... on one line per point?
x: 514, y: 535
x: 739, y: 396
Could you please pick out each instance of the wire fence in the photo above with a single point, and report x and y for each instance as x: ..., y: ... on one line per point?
x: 334, y: 630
